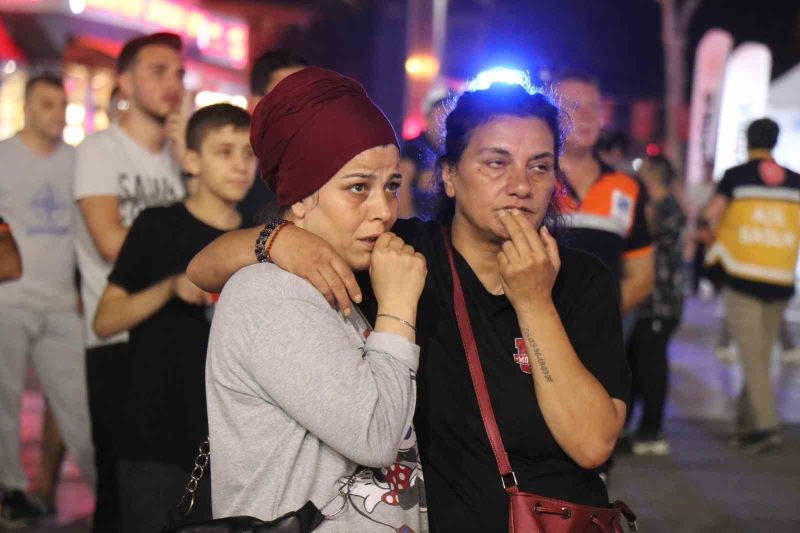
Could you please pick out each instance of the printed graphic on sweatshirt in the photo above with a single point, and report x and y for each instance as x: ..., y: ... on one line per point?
x: 400, y: 485
x: 48, y: 212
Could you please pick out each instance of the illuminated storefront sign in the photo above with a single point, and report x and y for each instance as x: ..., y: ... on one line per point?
x: 220, y: 39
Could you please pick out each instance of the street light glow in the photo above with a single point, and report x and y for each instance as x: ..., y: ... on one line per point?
x: 77, y: 6
x: 422, y: 66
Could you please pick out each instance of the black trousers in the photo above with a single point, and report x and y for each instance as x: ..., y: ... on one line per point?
x: 107, y: 369
x: 647, y: 356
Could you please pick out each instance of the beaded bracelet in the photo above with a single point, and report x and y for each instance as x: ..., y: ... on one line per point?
x: 275, y: 236
x: 269, y: 228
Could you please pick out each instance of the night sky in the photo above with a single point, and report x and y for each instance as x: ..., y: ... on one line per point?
x: 619, y: 41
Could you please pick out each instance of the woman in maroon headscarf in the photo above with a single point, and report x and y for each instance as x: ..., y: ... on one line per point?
x: 299, y: 399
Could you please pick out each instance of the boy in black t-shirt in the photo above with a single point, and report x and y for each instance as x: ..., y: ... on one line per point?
x: 149, y: 294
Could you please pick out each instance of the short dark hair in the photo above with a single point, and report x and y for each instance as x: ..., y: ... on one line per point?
x: 762, y: 133
x: 665, y: 169
x: 576, y: 74
x: 213, y: 117
x: 132, y: 48
x: 46, y: 78
x: 264, y: 66
x: 476, y: 108
x: 613, y: 139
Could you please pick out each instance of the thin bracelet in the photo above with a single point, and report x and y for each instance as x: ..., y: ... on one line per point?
x: 275, y: 236
x: 409, y: 324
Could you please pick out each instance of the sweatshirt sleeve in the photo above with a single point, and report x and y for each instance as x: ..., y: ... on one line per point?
x: 357, y: 399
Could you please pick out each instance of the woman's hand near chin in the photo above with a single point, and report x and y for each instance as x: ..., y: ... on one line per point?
x: 398, y: 274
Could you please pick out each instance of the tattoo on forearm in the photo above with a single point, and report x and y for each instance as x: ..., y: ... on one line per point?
x: 533, y: 349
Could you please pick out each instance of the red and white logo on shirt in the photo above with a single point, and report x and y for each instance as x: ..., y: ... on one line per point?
x: 521, y: 356
x: 771, y: 172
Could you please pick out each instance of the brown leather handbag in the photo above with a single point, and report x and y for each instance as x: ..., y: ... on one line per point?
x: 527, y: 512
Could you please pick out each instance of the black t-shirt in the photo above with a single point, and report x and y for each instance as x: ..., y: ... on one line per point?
x: 742, y: 177
x: 165, y: 407
x: 462, y: 482
x: 253, y: 206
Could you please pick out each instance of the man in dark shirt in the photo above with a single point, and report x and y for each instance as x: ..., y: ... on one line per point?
x: 604, y: 207
x: 149, y: 293
x: 755, y: 212
x: 268, y: 71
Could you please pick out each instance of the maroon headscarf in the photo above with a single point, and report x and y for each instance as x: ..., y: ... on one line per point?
x: 309, y: 126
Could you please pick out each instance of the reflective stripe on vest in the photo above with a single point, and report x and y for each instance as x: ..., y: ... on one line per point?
x: 580, y: 220
x: 759, y: 235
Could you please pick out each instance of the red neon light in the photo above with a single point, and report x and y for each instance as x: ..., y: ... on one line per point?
x: 653, y: 149
x: 413, y: 127
x: 8, y: 50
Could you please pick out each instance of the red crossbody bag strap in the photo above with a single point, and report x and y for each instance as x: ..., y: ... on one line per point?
x: 476, y: 373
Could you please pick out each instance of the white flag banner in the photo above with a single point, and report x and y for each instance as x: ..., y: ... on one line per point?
x: 709, y: 70
x: 744, y: 99
x: 784, y: 108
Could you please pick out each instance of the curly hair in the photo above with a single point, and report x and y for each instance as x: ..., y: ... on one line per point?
x: 475, y: 108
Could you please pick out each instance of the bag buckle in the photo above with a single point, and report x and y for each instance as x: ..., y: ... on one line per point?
x: 504, y: 479
x: 627, y: 514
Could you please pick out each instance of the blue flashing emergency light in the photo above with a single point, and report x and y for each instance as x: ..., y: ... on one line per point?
x: 499, y: 75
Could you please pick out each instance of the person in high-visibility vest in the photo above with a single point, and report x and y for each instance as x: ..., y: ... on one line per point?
x: 755, y: 214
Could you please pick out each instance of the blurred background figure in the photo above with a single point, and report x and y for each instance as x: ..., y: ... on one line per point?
x: 53, y: 452
x: 119, y: 172
x: 659, y: 315
x: 605, y: 208
x: 271, y: 68
x: 166, y: 315
x: 754, y: 213
x: 419, y: 191
x: 268, y: 70
x: 40, y: 323
x: 612, y: 149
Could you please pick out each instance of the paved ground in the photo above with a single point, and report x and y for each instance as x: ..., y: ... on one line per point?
x: 703, y: 487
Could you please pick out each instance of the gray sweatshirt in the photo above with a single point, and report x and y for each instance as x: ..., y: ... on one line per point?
x: 298, y: 399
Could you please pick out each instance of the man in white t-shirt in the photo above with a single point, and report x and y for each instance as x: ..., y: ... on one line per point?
x: 118, y: 173
x: 39, y: 318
